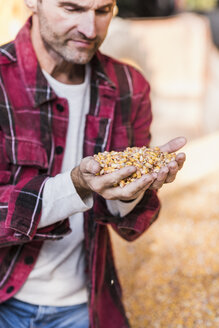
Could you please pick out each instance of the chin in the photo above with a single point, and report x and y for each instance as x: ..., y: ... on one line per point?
x: 80, y: 56
x: 80, y: 59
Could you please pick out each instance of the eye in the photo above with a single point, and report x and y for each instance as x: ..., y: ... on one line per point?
x: 71, y: 9
x: 104, y: 10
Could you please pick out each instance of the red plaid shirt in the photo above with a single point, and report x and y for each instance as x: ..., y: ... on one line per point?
x: 33, y: 125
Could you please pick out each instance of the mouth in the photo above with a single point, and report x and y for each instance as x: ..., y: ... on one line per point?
x: 82, y: 43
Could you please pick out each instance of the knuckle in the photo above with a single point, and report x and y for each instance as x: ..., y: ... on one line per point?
x: 170, y: 179
x: 97, y: 190
x: 147, y: 182
x: 109, y: 197
x: 114, y: 182
x: 158, y: 184
x: 129, y: 194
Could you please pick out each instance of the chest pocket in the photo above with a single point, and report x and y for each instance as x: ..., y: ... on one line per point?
x: 25, y: 152
x: 97, y: 130
x: 122, y: 137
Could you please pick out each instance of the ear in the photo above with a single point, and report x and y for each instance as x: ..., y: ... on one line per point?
x: 31, y: 4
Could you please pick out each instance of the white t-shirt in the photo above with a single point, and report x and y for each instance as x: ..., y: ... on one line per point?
x: 58, y: 278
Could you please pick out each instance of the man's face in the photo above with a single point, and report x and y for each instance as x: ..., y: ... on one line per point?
x: 74, y: 29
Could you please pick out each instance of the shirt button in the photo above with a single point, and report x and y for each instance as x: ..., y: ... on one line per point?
x: 10, y: 289
x: 60, y: 108
x: 59, y: 150
x: 29, y: 260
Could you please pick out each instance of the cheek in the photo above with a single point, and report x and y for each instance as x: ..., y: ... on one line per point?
x: 59, y: 22
x: 102, y: 27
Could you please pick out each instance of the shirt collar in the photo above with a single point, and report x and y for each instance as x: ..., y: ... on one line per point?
x: 35, y: 83
x: 37, y: 87
x: 99, y: 70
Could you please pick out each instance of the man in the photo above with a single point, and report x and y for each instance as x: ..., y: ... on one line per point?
x: 61, y: 100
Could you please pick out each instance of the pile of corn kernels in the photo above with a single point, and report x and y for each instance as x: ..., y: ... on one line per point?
x: 173, y: 269
x: 146, y: 160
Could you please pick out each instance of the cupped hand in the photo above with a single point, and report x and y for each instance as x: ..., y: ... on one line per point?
x: 86, y: 180
x: 168, y: 173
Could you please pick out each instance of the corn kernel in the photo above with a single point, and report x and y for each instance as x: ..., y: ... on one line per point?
x: 146, y: 160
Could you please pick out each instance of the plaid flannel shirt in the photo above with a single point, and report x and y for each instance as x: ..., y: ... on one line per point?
x: 33, y: 125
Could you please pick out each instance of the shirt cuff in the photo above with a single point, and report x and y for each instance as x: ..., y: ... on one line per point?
x: 61, y: 200
x: 117, y: 207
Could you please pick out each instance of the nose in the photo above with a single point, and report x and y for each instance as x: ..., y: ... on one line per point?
x: 87, y: 25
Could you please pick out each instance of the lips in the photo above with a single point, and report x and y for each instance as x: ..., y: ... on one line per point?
x: 82, y: 40
x: 82, y: 43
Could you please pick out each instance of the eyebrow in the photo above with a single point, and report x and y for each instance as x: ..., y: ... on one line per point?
x: 77, y: 6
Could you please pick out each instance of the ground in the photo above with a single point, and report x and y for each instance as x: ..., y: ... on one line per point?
x: 170, y: 276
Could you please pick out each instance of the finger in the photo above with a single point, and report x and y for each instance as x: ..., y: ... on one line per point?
x: 89, y: 165
x: 180, y: 158
x: 173, y: 169
x: 113, y: 179
x: 173, y: 145
x: 161, y: 178
x: 133, y: 189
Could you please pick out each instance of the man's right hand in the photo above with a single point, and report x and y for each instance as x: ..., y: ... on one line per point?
x: 86, y: 181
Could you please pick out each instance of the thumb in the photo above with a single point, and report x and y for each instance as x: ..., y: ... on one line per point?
x: 90, y: 166
x: 173, y: 145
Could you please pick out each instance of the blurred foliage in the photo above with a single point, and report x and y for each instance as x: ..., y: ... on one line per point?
x: 201, y: 4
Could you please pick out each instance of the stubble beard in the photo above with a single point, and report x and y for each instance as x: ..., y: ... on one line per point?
x: 59, y: 47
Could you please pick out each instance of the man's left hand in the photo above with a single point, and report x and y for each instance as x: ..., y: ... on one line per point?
x: 168, y: 173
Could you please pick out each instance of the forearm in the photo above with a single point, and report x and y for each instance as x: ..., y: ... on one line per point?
x: 79, y: 183
x: 61, y: 200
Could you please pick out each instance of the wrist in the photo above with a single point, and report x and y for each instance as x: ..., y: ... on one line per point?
x: 80, y: 185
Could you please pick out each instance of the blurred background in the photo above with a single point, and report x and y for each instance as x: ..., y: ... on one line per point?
x: 170, y: 276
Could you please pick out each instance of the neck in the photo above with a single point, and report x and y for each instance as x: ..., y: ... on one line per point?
x: 57, y: 67
x: 68, y: 73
